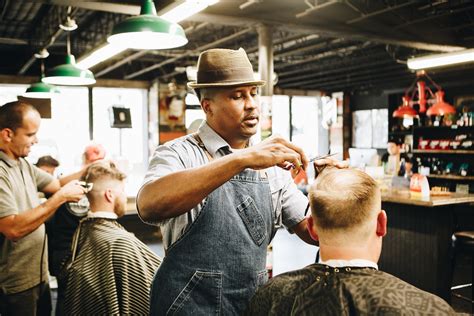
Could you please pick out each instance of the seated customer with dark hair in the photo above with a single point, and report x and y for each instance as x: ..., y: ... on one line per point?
x: 348, y: 222
x: 47, y: 163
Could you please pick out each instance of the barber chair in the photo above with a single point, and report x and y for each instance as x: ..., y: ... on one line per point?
x: 463, y: 242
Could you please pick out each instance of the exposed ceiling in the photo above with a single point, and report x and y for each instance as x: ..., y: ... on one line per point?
x: 350, y: 45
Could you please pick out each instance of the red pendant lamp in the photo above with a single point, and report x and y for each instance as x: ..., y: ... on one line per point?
x: 405, y: 110
x: 440, y: 107
x: 420, y: 93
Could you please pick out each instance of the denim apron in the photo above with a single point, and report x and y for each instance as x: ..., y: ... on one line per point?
x: 219, y: 262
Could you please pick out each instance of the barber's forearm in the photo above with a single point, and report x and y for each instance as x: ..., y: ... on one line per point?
x: 177, y: 193
x: 301, y: 229
x: 15, y: 227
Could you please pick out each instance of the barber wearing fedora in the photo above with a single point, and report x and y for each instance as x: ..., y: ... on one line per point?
x: 217, y: 196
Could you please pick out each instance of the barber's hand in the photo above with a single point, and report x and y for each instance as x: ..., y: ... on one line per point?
x: 274, y: 151
x: 72, y: 191
x: 320, y: 164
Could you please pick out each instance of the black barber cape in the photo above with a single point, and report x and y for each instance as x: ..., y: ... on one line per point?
x: 322, y: 290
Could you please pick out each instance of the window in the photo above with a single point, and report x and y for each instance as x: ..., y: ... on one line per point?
x: 281, y: 116
x: 9, y: 92
x: 66, y: 133
x: 370, y: 128
x: 304, y: 124
x: 127, y: 146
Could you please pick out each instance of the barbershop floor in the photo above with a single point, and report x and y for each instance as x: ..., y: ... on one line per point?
x: 289, y: 253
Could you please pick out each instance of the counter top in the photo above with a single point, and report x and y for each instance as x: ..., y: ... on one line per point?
x: 404, y: 197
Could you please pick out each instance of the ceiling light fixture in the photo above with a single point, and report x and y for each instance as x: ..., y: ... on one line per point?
x: 405, y: 110
x: 422, y: 96
x: 439, y: 60
x: 440, y: 107
x: 70, y: 24
x: 108, y: 50
x: 41, y: 90
x: 148, y: 31
x: 181, y: 10
x: 69, y: 74
x: 100, y: 54
x: 249, y: 3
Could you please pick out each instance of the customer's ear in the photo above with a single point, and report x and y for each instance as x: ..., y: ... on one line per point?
x: 312, y: 229
x: 381, y: 224
x: 109, y: 195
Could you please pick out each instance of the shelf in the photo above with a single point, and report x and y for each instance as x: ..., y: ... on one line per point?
x: 453, y: 128
x: 450, y: 177
x: 435, y: 151
x: 402, y: 133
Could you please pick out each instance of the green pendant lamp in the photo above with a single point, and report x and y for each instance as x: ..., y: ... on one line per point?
x: 41, y: 90
x: 148, y: 31
x: 68, y: 74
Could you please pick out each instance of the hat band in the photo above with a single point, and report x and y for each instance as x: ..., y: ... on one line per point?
x: 225, y: 75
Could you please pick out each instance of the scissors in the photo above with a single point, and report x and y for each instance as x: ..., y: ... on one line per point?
x: 319, y: 169
x: 317, y: 158
x: 322, y: 157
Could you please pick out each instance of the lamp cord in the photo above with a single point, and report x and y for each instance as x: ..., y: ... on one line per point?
x: 438, y: 87
x: 68, y: 43
x: 42, y: 68
x: 423, y: 74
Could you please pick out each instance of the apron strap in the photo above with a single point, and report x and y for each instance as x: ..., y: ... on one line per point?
x: 201, y: 144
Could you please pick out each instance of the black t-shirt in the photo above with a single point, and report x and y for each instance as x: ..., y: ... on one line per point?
x: 60, y: 229
x: 402, y: 156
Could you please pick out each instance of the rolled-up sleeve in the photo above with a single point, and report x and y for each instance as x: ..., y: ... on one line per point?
x: 165, y: 160
x: 42, y: 178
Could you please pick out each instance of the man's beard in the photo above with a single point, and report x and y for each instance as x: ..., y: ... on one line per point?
x: 119, y: 209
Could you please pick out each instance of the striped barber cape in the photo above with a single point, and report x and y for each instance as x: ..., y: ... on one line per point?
x: 110, y: 272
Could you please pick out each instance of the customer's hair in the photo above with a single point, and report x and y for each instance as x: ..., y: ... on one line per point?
x: 343, y: 199
x: 47, y: 161
x: 103, y: 170
x: 12, y: 113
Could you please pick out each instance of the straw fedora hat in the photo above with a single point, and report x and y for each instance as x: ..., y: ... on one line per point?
x: 220, y: 67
